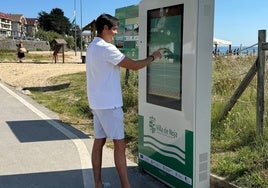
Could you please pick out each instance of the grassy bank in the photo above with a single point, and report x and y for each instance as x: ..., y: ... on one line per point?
x: 11, y: 56
x: 237, y: 153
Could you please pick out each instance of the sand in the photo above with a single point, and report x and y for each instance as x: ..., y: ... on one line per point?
x: 28, y: 74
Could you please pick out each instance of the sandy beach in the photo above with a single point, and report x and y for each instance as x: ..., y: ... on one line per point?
x: 30, y: 74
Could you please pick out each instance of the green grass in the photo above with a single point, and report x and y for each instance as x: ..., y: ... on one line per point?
x: 70, y: 103
x: 237, y: 153
x: 11, y: 56
x: 8, y: 55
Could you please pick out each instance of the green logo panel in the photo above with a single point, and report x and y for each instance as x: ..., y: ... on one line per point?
x: 166, y: 162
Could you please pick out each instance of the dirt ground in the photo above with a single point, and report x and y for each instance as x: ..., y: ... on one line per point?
x: 28, y: 74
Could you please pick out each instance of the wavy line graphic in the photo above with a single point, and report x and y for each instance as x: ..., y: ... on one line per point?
x: 165, y: 149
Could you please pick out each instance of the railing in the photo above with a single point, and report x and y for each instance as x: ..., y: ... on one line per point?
x: 237, y: 51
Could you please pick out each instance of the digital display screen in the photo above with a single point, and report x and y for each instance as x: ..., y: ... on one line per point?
x: 164, y: 76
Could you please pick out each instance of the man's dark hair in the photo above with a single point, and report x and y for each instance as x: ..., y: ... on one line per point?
x: 105, y: 19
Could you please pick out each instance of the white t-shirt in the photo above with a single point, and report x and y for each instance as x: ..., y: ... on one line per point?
x: 103, y: 75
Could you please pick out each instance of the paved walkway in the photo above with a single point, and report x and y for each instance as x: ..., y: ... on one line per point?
x: 39, y: 151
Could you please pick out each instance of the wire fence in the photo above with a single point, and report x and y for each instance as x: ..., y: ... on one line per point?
x: 236, y: 51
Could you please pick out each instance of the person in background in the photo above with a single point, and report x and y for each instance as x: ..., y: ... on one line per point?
x: 21, y: 52
x: 103, y: 62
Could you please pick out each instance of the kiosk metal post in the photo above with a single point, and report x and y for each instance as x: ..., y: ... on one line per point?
x: 174, y: 92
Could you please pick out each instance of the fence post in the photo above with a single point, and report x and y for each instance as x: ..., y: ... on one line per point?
x: 240, y: 89
x: 260, y: 82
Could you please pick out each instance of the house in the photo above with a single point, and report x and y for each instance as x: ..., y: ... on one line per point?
x: 31, y: 26
x: 5, y: 25
x: 19, y: 23
x: 17, y: 26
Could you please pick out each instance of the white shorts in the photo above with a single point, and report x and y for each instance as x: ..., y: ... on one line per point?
x: 109, y: 123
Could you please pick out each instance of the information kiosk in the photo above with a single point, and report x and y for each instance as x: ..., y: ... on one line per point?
x: 175, y: 91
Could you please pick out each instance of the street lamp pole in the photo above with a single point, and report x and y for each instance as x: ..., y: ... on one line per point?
x: 81, y: 45
x: 75, y: 37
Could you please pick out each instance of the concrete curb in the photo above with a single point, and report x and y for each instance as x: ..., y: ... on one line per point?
x: 219, y: 182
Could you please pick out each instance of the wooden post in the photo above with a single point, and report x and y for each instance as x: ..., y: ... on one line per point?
x: 63, y: 53
x: 230, y: 50
x: 260, y: 82
x: 240, y: 89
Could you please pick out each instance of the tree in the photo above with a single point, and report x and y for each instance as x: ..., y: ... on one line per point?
x: 54, y: 21
x: 51, y: 35
x: 76, y: 28
x: 48, y: 35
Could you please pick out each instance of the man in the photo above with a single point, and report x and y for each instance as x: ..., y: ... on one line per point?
x: 103, y: 62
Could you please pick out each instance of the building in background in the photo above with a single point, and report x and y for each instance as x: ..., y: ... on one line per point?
x: 89, y: 36
x: 31, y: 27
x: 16, y: 26
x: 5, y: 25
x: 127, y: 37
x: 19, y: 23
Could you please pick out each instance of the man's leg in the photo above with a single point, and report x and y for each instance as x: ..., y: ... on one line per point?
x: 120, y: 162
x: 96, y: 159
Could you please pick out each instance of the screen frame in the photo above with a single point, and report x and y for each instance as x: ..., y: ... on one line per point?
x: 160, y: 100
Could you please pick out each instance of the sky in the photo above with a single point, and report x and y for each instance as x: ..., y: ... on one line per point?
x: 237, y: 21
